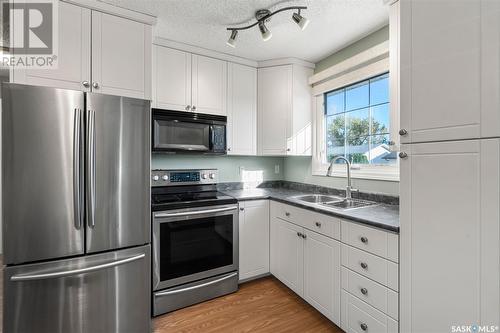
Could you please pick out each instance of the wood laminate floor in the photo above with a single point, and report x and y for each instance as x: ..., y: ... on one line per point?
x: 263, y: 305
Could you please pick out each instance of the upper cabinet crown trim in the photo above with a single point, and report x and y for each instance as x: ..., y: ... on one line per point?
x: 114, y: 10
x: 285, y: 61
x: 202, y: 51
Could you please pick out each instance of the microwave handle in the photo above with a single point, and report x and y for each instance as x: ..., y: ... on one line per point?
x: 211, y: 135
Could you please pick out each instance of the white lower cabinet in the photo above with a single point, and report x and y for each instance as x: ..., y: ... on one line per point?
x: 253, y: 239
x: 354, y: 288
x: 322, y: 274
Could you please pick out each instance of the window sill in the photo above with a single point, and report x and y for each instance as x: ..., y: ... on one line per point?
x: 374, y: 173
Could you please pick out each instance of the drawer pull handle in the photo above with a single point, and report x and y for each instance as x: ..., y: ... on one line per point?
x: 363, y: 326
x: 364, y: 265
x: 318, y: 224
x: 287, y: 214
x: 364, y: 239
x: 364, y: 291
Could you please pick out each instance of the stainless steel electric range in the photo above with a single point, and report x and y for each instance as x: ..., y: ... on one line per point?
x: 195, y: 239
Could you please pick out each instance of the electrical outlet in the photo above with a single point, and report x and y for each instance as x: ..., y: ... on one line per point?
x: 277, y: 168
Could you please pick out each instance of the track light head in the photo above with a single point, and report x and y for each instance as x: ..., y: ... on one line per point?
x: 301, y: 21
x: 264, y: 31
x: 232, y: 40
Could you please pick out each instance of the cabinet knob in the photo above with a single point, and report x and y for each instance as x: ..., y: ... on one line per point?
x: 403, y: 132
x: 364, y: 265
x: 242, y: 209
x: 193, y: 108
x: 287, y: 214
x: 318, y: 224
x: 86, y: 84
x: 403, y: 155
x: 304, y: 236
x: 364, y: 239
x: 288, y: 149
x: 364, y: 291
x: 228, y: 149
x: 95, y: 85
x: 363, y: 326
x: 299, y: 234
x: 188, y: 107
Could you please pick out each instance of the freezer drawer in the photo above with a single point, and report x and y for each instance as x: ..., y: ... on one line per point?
x: 107, y: 292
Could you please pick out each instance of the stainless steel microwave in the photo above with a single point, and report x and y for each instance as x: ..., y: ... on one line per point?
x: 188, y: 132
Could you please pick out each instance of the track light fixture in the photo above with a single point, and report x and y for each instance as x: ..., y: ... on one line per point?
x: 263, y: 16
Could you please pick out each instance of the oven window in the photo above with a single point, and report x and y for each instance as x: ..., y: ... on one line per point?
x: 182, y: 135
x: 195, y: 245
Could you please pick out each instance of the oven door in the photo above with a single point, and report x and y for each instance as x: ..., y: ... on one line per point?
x: 195, y: 243
x: 174, y: 135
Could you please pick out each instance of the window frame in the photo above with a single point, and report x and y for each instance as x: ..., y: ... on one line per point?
x: 361, y: 171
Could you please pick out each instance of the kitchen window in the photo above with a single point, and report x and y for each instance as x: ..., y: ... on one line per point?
x: 355, y: 120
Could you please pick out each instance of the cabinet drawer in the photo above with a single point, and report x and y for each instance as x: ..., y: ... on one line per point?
x: 379, y: 242
x: 359, y: 317
x: 320, y: 223
x: 373, y: 293
x: 379, y: 269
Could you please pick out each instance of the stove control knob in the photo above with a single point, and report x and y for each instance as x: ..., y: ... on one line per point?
x: 212, y: 176
x: 156, y: 178
x: 204, y: 176
x: 164, y: 177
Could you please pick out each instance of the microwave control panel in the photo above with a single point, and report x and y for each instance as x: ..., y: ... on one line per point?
x: 161, y: 177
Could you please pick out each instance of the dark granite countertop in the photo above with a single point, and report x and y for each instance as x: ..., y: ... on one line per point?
x: 381, y: 215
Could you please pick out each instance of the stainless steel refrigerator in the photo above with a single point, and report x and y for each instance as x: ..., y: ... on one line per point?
x: 76, y: 211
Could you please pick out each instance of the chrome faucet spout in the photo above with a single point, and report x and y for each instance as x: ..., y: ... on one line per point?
x: 348, y: 188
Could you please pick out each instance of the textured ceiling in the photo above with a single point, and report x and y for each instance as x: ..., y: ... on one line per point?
x: 333, y: 25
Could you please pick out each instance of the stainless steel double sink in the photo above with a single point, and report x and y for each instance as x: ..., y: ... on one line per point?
x: 333, y: 201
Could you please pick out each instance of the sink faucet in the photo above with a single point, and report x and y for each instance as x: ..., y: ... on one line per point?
x: 348, y: 189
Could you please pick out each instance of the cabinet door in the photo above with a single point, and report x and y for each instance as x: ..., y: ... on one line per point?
x: 449, y: 70
x: 274, y: 107
x: 121, y: 56
x: 299, y: 137
x: 449, y: 235
x: 290, y: 260
x: 322, y: 274
x: 254, y: 238
x: 242, y: 110
x: 172, y: 79
x: 73, y: 53
x: 209, y: 85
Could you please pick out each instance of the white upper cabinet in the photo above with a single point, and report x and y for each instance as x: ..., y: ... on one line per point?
x: 450, y: 235
x: 242, y: 110
x: 73, y: 71
x: 171, y: 79
x: 188, y: 82
x: 209, y: 85
x: 97, y: 52
x: 449, y: 69
x: 121, y: 56
x: 284, y: 110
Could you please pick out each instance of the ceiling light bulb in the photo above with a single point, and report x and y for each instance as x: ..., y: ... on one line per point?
x: 301, y: 21
x: 232, y: 40
x: 264, y: 31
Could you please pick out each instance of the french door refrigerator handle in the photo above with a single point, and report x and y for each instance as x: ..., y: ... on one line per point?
x: 52, y: 275
x: 199, y: 212
x: 170, y: 292
x: 91, y: 168
x: 77, y: 168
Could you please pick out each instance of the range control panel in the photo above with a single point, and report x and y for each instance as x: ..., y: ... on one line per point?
x: 183, y: 177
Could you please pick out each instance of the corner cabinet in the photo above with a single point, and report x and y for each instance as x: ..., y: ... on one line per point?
x: 284, y: 110
x: 450, y: 235
x: 449, y: 69
x: 253, y: 239
x: 242, y: 110
x: 184, y: 81
x: 97, y: 52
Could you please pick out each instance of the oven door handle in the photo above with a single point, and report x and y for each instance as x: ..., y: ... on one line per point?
x: 171, y: 292
x: 197, y: 212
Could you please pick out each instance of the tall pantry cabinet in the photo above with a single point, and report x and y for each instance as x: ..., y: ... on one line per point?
x: 449, y: 71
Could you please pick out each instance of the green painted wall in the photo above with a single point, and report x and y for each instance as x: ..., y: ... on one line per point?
x: 228, y: 166
x: 361, y: 45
